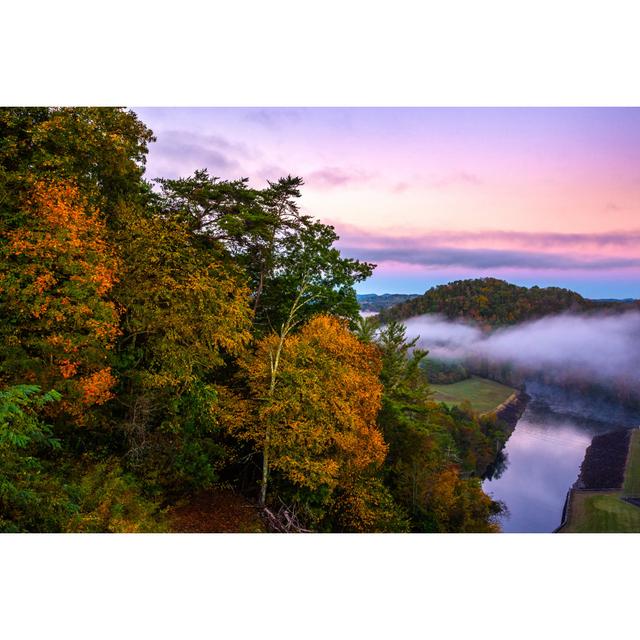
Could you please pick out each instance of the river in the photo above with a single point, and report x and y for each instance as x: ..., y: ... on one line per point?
x: 543, y: 455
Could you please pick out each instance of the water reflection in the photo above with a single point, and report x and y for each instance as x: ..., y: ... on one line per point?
x: 544, y: 454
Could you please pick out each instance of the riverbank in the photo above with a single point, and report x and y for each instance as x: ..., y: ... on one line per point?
x: 511, y: 410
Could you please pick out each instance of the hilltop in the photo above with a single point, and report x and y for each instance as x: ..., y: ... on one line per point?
x: 493, y: 302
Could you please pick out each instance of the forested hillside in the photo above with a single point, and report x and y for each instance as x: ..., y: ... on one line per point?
x: 490, y: 301
x: 198, y: 334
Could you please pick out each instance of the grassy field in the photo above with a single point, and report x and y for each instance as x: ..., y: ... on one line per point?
x: 484, y: 395
x: 631, y: 485
x: 602, y: 513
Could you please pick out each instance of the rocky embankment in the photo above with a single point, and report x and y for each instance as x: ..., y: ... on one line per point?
x: 604, y: 462
x: 511, y: 410
x: 602, y: 469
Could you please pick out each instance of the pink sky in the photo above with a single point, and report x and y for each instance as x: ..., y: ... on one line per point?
x: 535, y: 196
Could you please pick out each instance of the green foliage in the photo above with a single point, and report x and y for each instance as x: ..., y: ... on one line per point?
x: 101, y: 149
x: 434, y: 452
x: 365, y: 328
x: 187, y: 450
x: 19, y: 425
x: 278, y: 247
x: 309, y: 256
x: 41, y: 489
x: 22, y: 438
x: 402, y: 375
x: 444, y: 371
x: 105, y: 499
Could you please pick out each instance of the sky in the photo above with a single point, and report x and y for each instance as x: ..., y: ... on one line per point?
x: 546, y: 196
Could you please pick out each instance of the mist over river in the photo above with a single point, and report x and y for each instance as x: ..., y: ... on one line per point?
x: 578, y: 351
x: 543, y: 455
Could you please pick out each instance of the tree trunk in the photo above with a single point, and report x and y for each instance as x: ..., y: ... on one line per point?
x: 287, y: 326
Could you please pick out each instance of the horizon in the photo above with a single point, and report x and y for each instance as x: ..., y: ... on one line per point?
x: 534, y: 196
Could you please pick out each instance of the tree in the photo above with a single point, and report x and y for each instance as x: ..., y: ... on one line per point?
x: 402, y: 375
x: 22, y: 434
x: 365, y: 328
x: 185, y: 313
x: 56, y: 275
x: 309, y: 256
x: 430, y: 446
x: 316, y: 418
x: 277, y: 246
x: 102, y: 150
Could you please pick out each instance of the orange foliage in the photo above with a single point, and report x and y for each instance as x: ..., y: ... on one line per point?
x: 322, y: 415
x: 57, y: 273
x: 96, y: 387
x: 459, y: 504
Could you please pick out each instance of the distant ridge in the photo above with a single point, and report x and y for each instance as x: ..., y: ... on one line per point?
x: 375, y: 302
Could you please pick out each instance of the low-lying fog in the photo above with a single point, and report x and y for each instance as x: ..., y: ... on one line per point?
x: 604, y: 348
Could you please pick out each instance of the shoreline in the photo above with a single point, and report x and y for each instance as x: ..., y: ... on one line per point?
x: 510, y: 411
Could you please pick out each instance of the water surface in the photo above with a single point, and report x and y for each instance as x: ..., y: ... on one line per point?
x: 544, y: 453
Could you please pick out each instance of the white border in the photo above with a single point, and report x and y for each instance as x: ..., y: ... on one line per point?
x: 277, y: 53
x: 338, y: 52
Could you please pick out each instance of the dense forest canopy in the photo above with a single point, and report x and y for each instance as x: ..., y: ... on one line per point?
x: 198, y: 335
x: 494, y: 302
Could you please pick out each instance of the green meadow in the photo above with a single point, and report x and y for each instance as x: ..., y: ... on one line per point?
x: 483, y: 394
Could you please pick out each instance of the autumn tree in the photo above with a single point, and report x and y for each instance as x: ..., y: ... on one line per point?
x: 102, y: 150
x: 316, y: 419
x: 56, y: 275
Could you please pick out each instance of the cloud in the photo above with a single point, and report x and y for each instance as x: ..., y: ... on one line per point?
x: 382, y: 238
x: 489, y: 258
x: 400, y: 187
x: 335, y: 177
x: 598, y: 346
x: 179, y: 152
x: 495, y: 249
